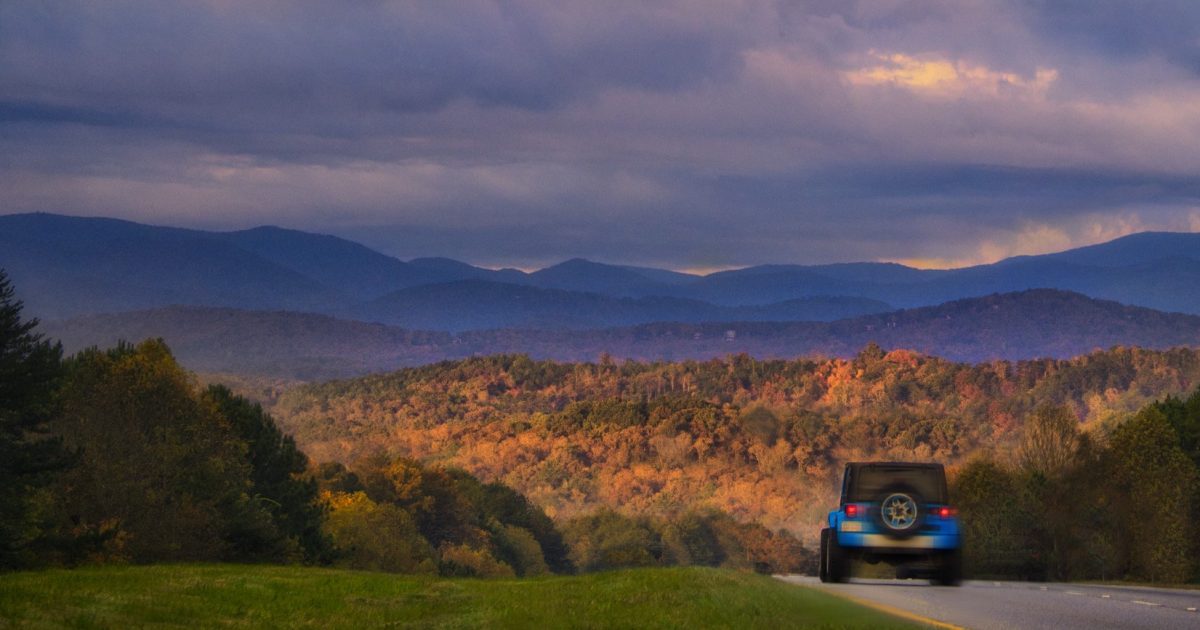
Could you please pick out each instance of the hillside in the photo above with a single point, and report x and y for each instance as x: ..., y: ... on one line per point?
x: 584, y: 275
x: 761, y: 440
x: 272, y: 343
x: 66, y: 266
x: 1042, y: 323
x: 358, y: 272
x: 1013, y: 326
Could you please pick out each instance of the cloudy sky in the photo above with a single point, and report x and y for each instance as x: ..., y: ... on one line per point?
x: 691, y: 135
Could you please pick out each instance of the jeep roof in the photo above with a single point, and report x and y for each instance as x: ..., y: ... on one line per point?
x: 864, y: 481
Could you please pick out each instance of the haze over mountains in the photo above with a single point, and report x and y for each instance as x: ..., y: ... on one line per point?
x: 212, y: 294
x: 1030, y: 324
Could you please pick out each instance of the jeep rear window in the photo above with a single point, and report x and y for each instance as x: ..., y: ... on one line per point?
x: 869, y: 482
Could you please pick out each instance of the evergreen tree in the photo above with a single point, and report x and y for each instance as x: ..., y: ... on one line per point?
x: 30, y: 372
x: 276, y: 469
x: 1184, y: 416
x: 1154, y: 486
x: 512, y: 508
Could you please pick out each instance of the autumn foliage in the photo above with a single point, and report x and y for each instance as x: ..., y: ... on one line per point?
x: 760, y: 440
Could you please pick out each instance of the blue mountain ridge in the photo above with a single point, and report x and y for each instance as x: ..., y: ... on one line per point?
x: 67, y: 266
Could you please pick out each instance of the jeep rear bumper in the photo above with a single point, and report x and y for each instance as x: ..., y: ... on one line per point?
x: 888, y: 544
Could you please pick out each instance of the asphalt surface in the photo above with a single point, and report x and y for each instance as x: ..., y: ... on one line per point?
x: 987, y: 605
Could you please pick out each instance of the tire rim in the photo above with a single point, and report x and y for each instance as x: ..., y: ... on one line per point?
x: 899, y: 511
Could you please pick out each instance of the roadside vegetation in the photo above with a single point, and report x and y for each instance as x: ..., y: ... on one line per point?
x: 272, y: 596
x: 1103, y: 505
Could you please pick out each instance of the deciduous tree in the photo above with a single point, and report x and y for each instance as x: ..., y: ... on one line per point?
x: 157, y: 462
x: 1155, y: 483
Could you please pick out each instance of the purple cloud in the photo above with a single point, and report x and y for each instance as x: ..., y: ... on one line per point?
x: 674, y: 134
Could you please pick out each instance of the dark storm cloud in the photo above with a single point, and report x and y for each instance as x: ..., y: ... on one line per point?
x: 1056, y: 185
x: 1165, y: 28
x: 308, y: 57
x: 18, y: 112
x: 681, y: 134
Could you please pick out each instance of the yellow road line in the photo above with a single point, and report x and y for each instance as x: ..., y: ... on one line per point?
x: 892, y: 610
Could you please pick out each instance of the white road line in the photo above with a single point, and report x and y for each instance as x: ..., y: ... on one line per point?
x: 1074, y: 593
x: 1106, y: 596
x: 1138, y: 601
x: 1191, y: 609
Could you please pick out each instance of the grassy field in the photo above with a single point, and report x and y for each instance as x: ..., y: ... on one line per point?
x: 264, y: 596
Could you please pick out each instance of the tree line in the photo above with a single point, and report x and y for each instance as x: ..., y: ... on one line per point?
x: 1072, y: 505
x: 119, y: 456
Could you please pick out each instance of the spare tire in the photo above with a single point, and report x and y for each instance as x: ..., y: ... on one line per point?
x: 900, y: 514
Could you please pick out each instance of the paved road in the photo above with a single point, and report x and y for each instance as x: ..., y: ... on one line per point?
x: 987, y: 605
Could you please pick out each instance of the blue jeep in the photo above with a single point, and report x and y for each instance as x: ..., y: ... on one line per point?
x: 897, y: 513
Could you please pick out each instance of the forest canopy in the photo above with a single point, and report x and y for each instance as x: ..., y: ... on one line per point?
x: 762, y: 440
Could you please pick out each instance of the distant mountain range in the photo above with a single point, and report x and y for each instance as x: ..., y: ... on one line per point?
x: 70, y: 266
x: 1029, y: 324
x: 482, y: 305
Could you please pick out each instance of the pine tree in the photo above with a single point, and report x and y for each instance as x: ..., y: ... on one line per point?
x: 276, y: 475
x: 30, y: 372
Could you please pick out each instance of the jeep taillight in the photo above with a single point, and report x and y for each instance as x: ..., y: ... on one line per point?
x: 946, y: 511
x: 851, y: 510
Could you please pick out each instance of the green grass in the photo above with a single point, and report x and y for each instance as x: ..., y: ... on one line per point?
x: 271, y: 596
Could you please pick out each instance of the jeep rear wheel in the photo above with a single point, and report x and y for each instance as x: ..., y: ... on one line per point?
x: 835, y: 564
x: 948, y: 569
x: 823, y: 561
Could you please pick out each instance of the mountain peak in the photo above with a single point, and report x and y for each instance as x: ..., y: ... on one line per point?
x: 1130, y: 250
x: 441, y: 262
x: 578, y: 263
